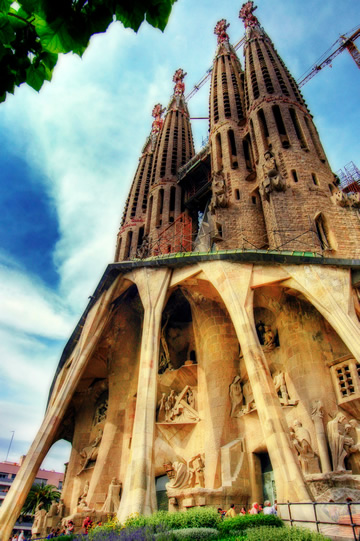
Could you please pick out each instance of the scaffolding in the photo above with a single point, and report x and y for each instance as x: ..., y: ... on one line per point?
x: 176, y: 237
x: 349, y: 178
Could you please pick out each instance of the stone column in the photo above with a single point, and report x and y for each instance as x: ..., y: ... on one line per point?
x: 317, y: 416
x: 233, y: 282
x: 139, y: 487
x: 96, y: 321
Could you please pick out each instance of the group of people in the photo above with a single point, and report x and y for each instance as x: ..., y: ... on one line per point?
x: 256, y: 508
x: 18, y: 537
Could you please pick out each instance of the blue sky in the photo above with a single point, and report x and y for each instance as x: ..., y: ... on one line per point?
x: 68, y: 155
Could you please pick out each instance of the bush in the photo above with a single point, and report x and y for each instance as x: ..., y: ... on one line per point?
x: 268, y: 533
x: 205, y: 517
x: 241, y: 523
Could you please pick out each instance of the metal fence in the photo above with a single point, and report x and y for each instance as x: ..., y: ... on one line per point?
x: 340, y: 521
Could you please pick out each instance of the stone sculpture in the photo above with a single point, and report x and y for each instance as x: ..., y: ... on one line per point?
x: 179, y: 87
x: 112, y: 501
x: 165, y: 362
x: 39, y: 519
x: 281, y: 388
x: 100, y: 413
x: 177, y: 408
x: 273, y: 181
x: 219, y: 197
x: 236, y: 397
x: 90, y: 452
x: 302, y: 441
x: 186, y: 475
x: 82, y: 498
x: 340, y: 442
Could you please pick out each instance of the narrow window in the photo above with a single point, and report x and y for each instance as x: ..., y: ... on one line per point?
x: 172, y: 198
x: 315, y: 139
x: 128, y: 245
x: 140, y: 237
x: 331, y: 188
x: 280, y: 126
x: 253, y: 199
x: 297, y: 127
x: 294, y: 175
x: 237, y: 194
x: 232, y: 144
x: 321, y: 229
x: 314, y: 179
x: 263, y: 128
x: 218, y: 152
x: 247, y: 153
x: 148, y: 225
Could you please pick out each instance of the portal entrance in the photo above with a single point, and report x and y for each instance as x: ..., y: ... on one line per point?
x: 161, y: 497
x: 267, y: 477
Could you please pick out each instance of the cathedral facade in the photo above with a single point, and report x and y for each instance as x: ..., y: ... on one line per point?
x: 218, y: 361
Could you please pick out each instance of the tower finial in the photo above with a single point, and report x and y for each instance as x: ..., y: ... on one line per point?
x: 247, y: 14
x: 179, y: 88
x: 157, y: 124
x: 220, y: 31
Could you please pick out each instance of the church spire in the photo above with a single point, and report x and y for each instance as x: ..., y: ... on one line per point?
x: 173, y: 148
x: 131, y: 234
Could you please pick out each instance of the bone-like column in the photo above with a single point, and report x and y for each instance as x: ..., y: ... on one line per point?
x: 139, y: 487
x: 233, y: 281
x: 15, y: 499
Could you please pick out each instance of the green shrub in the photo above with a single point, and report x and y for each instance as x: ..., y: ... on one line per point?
x: 268, y: 533
x: 241, y: 523
x: 205, y: 517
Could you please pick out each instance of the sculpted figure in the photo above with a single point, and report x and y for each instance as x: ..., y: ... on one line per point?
x: 39, y: 518
x: 82, y: 498
x: 236, y: 396
x: 269, y: 338
x: 178, y: 474
x: 161, y: 410
x: 190, y: 398
x: 272, y: 177
x: 339, y: 441
x: 196, y: 471
x: 53, y: 510
x: 164, y: 355
x: 219, y: 198
x: 90, y: 452
x: 169, y: 405
x: 112, y: 502
x: 302, y: 442
x: 281, y: 388
x: 60, y: 508
x: 249, y: 397
x: 143, y: 250
x: 100, y: 414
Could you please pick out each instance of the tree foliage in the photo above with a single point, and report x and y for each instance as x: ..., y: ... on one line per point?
x: 42, y: 493
x: 34, y: 32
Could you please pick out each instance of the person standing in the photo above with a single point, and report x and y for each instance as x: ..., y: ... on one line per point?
x: 231, y: 512
x: 269, y: 509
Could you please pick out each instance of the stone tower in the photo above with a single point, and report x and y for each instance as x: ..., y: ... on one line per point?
x: 221, y: 348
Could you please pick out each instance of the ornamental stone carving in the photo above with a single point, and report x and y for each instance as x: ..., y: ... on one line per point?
x: 340, y: 442
x: 90, y: 452
x: 273, y: 180
x: 179, y: 408
x: 186, y: 474
x: 219, y: 197
x: 347, y: 199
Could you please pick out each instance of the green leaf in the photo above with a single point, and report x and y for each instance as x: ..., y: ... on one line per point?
x: 7, y: 33
x: 131, y: 17
x: 159, y: 12
x: 5, y: 5
x: 49, y: 60
x: 35, y: 77
x: 55, y: 37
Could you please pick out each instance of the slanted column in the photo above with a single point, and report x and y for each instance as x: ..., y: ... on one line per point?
x: 233, y: 284
x: 139, y: 487
x: 15, y: 499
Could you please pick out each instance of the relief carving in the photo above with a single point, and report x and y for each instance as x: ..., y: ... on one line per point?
x: 267, y: 337
x: 90, y: 452
x: 177, y: 408
x: 100, y: 413
x: 347, y: 199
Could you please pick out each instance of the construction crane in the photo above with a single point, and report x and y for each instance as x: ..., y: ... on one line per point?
x: 346, y: 42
